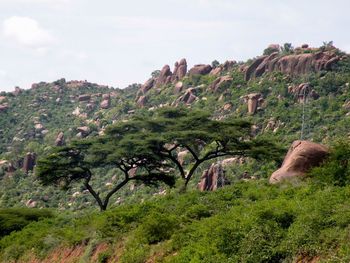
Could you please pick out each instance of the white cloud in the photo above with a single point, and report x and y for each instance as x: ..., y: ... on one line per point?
x: 27, y: 32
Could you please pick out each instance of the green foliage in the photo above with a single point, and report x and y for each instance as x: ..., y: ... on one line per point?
x: 16, y: 219
x: 336, y: 169
x: 247, y: 222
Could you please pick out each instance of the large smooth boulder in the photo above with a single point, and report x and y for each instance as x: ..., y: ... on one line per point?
x: 147, y: 86
x: 301, y: 156
x: 200, y: 69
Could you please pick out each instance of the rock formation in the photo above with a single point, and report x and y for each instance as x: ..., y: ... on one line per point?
x: 84, y: 97
x: 200, y: 69
x: 229, y: 64
x: 303, y: 89
x: 301, y: 156
x: 83, y: 131
x: 178, y: 87
x: 253, y: 100
x: 212, y: 178
x: 4, y: 107
x: 147, y: 86
x: 294, y: 64
x: 141, y: 101
x: 105, y: 103
x: 60, y: 139
x: 219, y: 82
x: 188, y: 97
x: 29, y: 162
x: 181, y: 156
x: 17, y: 91
x: 164, y: 76
x: 180, y: 70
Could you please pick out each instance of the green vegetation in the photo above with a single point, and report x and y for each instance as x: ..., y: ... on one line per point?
x: 16, y: 219
x: 247, y: 222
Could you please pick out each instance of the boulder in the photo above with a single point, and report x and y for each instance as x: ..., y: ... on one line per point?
x: 17, y: 91
x: 227, y: 107
x: 301, y: 156
x: 200, y: 69
x: 84, y: 97
x: 219, y: 82
x: 38, y: 127
x: 216, y: 71
x: 253, y: 101
x: 188, y: 97
x: 60, y: 139
x: 105, y: 104
x: 4, y: 107
x: 147, y: 86
x: 105, y: 96
x: 29, y: 162
x: 178, y: 87
x: 180, y: 70
x: 31, y: 203
x: 304, y: 89
x: 141, y: 101
x: 212, y: 178
x: 181, y: 156
x: 164, y: 76
x: 84, y: 130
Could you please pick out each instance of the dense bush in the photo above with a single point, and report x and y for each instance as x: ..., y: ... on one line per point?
x: 16, y: 219
x: 336, y: 169
x: 246, y: 222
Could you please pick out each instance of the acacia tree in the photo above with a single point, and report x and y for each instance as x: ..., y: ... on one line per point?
x: 65, y: 165
x: 171, y: 130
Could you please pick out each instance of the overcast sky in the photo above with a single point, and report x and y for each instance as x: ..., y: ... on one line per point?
x: 117, y: 42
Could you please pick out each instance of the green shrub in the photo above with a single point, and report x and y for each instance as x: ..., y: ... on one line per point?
x: 336, y: 169
x: 18, y: 218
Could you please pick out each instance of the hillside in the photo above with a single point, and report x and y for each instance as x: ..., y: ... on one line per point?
x: 286, y: 94
x: 268, y: 91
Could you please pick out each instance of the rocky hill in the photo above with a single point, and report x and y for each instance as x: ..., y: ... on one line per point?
x: 286, y: 93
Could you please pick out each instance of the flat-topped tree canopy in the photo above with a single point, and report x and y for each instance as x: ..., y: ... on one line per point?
x: 73, y: 163
x: 170, y: 130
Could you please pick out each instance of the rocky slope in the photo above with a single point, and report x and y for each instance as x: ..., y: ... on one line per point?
x: 273, y: 91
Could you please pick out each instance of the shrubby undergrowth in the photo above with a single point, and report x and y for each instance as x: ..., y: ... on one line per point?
x: 246, y: 222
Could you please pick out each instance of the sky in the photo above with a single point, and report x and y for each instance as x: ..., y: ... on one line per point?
x: 117, y: 43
